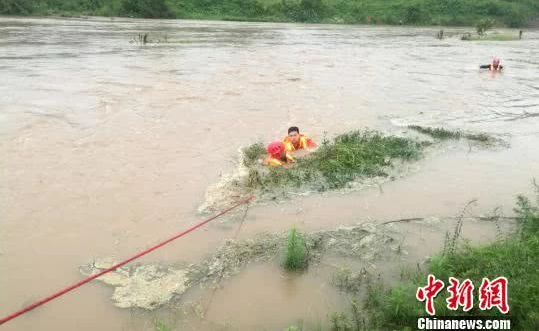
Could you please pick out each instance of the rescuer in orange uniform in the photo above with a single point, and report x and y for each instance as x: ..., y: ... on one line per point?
x: 295, y: 140
x: 277, y: 155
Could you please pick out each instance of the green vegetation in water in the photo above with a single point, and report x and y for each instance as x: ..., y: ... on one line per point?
x: 295, y: 257
x: 252, y: 154
x: 437, y: 133
x: 485, y: 24
x: 444, y: 134
x: 334, y: 164
x: 161, y: 326
x: 338, y: 321
x: 491, y: 37
x: 515, y: 257
x: 301, y: 327
x: 415, y: 12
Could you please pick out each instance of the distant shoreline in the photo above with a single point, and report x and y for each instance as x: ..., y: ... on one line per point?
x: 460, y: 13
x: 119, y: 18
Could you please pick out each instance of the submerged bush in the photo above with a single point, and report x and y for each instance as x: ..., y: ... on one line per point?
x: 483, y: 25
x: 335, y: 164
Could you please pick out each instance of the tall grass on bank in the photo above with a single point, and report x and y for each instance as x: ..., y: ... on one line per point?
x: 335, y: 164
x: 516, y: 257
x: 424, y: 12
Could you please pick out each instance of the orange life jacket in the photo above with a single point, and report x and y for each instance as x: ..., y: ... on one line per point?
x: 304, y: 143
x: 273, y: 162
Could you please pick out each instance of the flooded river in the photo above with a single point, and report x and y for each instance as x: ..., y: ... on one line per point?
x: 108, y: 146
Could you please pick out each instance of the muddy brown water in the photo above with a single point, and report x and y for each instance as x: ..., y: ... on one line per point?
x: 108, y: 146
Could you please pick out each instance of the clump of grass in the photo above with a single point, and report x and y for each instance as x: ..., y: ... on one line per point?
x: 161, y: 326
x: 444, y: 134
x: 466, y: 36
x: 528, y: 214
x: 451, y: 242
x: 481, y: 137
x: 141, y: 39
x: 337, y: 163
x: 437, y: 133
x: 144, y: 38
x: 250, y: 158
x: 340, y: 321
x: 490, y: 37
x: 294, y: 327
x: 253, y: 153
x: 392, y: 308
x: 295, y: 257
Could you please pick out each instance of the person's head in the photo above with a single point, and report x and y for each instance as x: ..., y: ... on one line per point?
x: 495, y: 61
x: 276, y: 149
x: 293, y: 134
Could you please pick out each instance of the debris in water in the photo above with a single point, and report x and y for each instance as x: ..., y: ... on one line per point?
x: 146, y: 286
x: 150, y: 286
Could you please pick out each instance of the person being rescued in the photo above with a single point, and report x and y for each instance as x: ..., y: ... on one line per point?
x: 495, y: 65
x: 277, y: 155
x: 295, y: 141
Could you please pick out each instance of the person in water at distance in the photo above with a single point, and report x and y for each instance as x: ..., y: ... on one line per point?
x: 295, y: 140
x: 277, y: 155
x: 495, y: 65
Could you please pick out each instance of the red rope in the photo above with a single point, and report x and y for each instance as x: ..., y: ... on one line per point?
x: 114, y: 267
